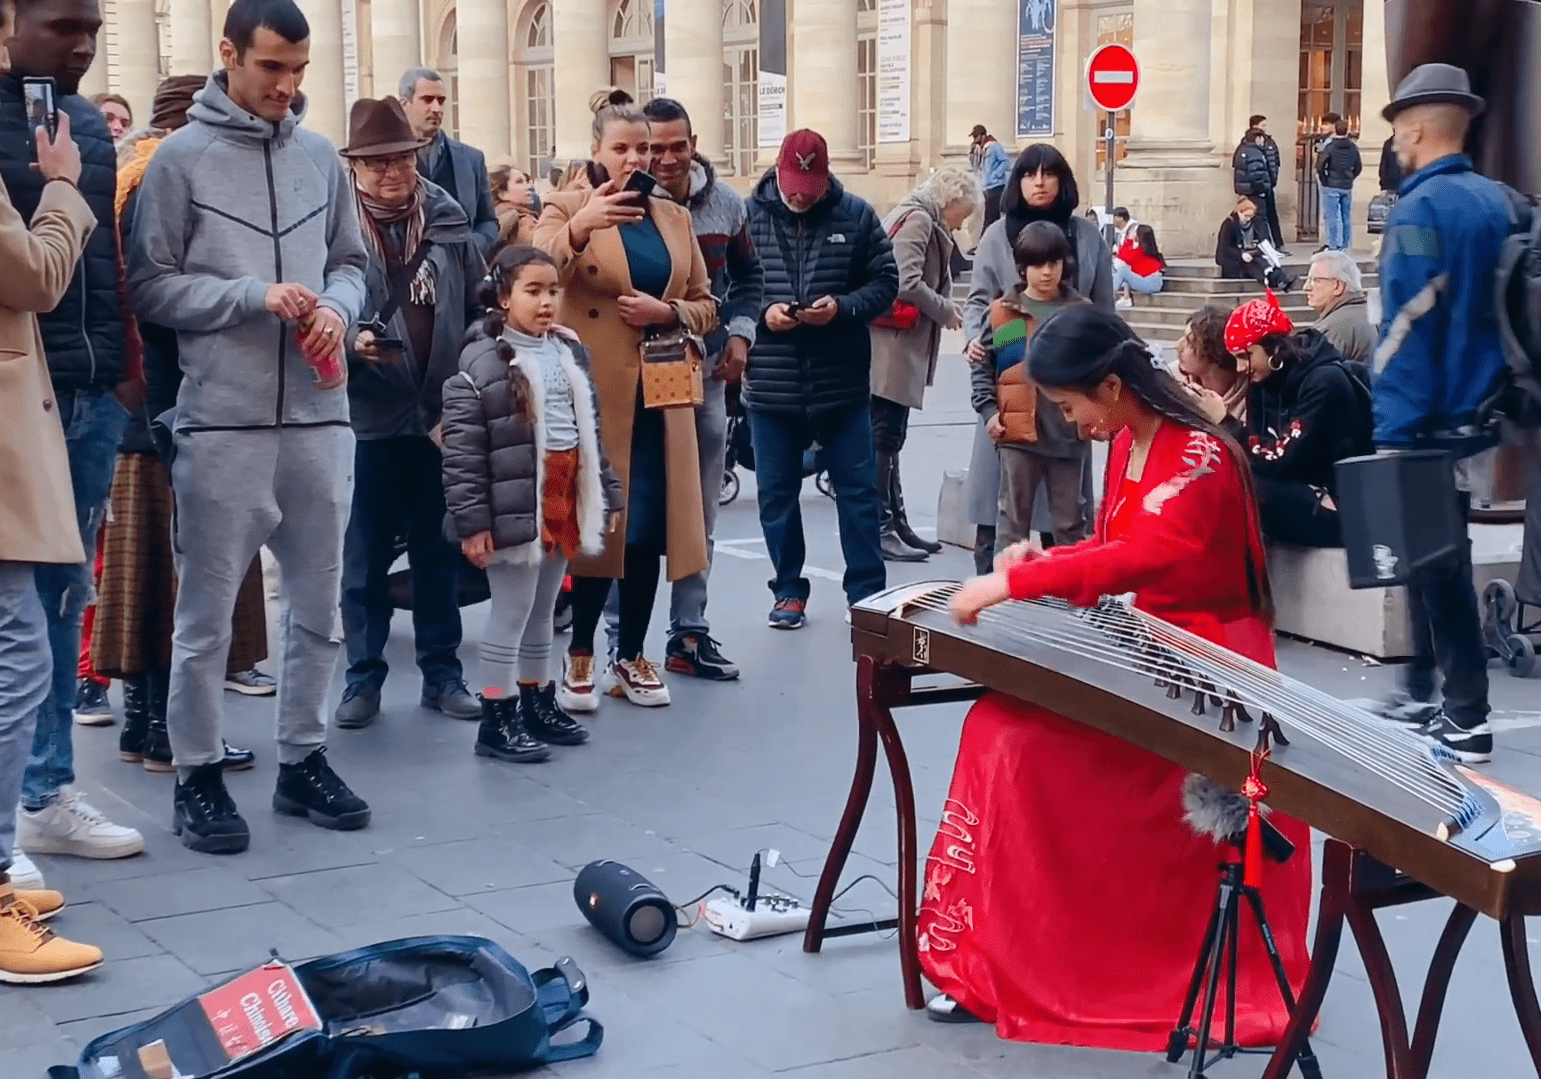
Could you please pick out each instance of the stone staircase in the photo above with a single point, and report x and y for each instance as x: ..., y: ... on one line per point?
x: 1192, y: 283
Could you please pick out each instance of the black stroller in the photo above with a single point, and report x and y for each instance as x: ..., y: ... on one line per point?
x: 741, y: 452
x: 1505, y: 629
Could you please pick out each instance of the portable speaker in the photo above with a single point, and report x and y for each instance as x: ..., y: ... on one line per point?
x: 626, y: 907
x: 1400, y: 516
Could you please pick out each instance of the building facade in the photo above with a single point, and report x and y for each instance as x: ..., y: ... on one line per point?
x: 894, y: 85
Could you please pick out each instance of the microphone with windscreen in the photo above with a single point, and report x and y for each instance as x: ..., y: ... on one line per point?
x: 626, y: 907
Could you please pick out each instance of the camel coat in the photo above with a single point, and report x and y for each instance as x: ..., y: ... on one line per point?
x: 592, y: 280
x: 37, y: 503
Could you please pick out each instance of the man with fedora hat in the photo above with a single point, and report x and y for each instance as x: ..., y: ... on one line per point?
x: 1438, y: 359
x: 424, y: 269
x: 245, y: 241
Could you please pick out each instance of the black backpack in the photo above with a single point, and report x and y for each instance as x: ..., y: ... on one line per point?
x: 1517, y: 285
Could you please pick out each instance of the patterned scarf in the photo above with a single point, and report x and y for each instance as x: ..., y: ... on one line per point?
x: 373, y: 214
x: 1255, y: 320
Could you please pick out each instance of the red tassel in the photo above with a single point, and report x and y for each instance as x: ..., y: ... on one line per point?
x: 1252, y: 875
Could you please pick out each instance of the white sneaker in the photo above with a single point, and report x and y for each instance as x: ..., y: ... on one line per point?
x: 71, y: 825
x: 637, y: 680
x: 25, y: 877
x: 575, y: 692
x: 1123, y: 303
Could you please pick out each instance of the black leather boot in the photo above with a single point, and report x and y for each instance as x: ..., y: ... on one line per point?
x: 894, y: 549
x: 502, y: 735
x: 136, y: 718
x: 901, y: 519
x: 156, y: 750
x: 544, y: 719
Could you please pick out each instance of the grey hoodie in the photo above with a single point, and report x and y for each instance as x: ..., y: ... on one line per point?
x: 229, y: 205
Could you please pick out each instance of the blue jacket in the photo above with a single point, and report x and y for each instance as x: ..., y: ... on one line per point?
x: 995, y: 169
x: 1438, y: 354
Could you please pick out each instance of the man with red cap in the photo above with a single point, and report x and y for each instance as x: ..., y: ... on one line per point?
x: 829, y: 271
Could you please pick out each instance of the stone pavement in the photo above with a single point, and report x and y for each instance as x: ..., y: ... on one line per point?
x: 685, y: 795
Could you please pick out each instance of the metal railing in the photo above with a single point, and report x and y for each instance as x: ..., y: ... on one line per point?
x: 1308, y: 197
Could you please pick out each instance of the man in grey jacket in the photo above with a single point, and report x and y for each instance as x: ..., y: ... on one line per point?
x: 1335, y: 291
x: 246, y: 242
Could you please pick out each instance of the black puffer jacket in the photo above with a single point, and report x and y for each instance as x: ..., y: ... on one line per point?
x: 839, y: 249
x: 1250, y: 165
x: 492, y: 464
x: 83, y: 337
x: 1338, y: 163
x: 1309, y: 416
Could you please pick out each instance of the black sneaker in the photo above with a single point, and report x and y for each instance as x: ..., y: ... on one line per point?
x: 91, y: 706
x: 696, y: 655
x: 544, y: 719
x: 502, y: 736
x: 1474, y: 746
x: 789, y: 614
x: 236, y: 759
x: 1402, y: 708
x: 311, y: 789
x: 155, y: 753
x: 204, y: 814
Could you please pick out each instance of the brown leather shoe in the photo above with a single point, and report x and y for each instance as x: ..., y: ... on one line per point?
x: 30, y: 952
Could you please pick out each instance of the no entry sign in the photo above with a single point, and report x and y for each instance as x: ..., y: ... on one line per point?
x: 1112, y: 77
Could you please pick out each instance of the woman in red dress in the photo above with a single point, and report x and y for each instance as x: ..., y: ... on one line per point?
x: 1065, y: 898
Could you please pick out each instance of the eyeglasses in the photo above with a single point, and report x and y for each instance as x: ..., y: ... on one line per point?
x: 382, y: 165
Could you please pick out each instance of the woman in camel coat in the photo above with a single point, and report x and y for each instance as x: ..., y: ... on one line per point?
x: 628, y: 263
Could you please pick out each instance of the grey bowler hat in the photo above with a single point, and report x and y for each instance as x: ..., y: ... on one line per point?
x: 1434, y: 84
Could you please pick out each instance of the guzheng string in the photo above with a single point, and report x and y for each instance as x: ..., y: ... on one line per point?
x: 1130, y: 640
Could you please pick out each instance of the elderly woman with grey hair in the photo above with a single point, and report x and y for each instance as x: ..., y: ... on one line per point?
x: 906, y: 341
x: 1335, y: 291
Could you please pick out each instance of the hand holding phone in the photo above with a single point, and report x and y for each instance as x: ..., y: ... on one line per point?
x: 640, y: 184
x: 58, y: 158
x: 41, y: 97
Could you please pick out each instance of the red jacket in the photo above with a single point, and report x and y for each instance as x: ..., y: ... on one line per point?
x: 1141, y: 263
x: 1183, y: 551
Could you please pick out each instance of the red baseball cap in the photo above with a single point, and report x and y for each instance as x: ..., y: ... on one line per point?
x: 802, y: 168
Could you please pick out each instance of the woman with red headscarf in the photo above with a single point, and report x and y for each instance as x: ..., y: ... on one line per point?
x: 1308, y: 408
x: 1065, y: 898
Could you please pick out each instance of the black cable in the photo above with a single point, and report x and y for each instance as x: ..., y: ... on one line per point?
x: 714, y: 888
x: 865, y: 876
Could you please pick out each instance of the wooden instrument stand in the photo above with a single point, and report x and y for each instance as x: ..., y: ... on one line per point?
x: 1354, y: 886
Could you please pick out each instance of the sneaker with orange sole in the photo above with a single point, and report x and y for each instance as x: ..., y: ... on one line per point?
x: 575, y: 692
x: 637, y: 680
x: 31, y: 953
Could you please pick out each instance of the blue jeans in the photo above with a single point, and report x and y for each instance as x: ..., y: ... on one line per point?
x: 25, y: 668
x: 845, y: 440
x: 93, y: 425
x: 1124, y: 277
x: 1337, y: 217
x: 398, y: 490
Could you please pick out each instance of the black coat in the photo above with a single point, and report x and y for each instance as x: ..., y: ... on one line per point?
x: 83, y: 337
x: 1271, y: 152
x: 1338, y: 163
x: 1309, y: 416
x: 1250, y: 167
x: 162, y: 371
x: 462, y: 171
x: 1232, y: 242
x: 838, y: 248
x: 1390, y: 167
x: 492, y: 465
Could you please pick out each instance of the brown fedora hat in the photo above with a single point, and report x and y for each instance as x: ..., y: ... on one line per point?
x: 379, y: 129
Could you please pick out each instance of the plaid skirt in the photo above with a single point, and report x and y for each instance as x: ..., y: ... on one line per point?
x: 137, y: 595
x: 559, y: 504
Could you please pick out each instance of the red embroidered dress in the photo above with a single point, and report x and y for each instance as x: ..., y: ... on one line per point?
x: 1065, y: 898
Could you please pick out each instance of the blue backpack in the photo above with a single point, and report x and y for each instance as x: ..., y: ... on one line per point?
x: 430, y: 1007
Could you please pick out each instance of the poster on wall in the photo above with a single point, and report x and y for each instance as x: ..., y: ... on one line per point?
x: 893, y: 89
x: 1035, y: 68
x: 659, y: 89
x: 772, y: 103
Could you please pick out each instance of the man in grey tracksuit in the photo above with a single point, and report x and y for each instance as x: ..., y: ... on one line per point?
x: 245, y: 230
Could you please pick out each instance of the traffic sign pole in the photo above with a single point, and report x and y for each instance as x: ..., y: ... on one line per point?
x: 1112, y: 78
x: 1109, y: 143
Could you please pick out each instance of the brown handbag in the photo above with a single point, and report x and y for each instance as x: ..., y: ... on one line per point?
x: 672, y: 362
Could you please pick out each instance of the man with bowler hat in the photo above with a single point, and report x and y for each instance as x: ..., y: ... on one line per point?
x: 424, y: 268
x: 1438, y: 359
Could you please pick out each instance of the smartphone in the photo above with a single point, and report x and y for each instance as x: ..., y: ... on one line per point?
x: 793, y: 308
x: 641, y: 184
x: 598, y: 174
x: 41, y: 95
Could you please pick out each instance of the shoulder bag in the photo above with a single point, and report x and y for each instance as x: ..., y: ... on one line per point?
x: 903, y: 315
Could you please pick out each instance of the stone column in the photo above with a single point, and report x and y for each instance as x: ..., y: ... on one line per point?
x: 482, y: 33
x: 192, y: 37
x: 822, y: 82
x: 323, y: 86
x: 1171, y: 176
x: 981, y: 72
x: 580, y: 38
x: 394, y: 35
x: 693, y: 65
x: 136, y: 51
x: 1374, y: 95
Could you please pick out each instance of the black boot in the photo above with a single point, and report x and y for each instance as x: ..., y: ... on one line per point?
x: 902, y: 520
x: 136, y: 718
x: 984, y: 549
x: 544, y: 719
x: 311, y: 789
x: 502, y: 735
x: 156, y: 751
x: 894, y: 548
x: 205, y: 816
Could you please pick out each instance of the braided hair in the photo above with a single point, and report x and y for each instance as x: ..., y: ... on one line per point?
x: 1081, y: 345
x: 496, y: 287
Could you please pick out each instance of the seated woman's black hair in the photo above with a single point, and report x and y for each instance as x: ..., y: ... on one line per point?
x: 1039, y: 244
x: 1284, y: 350
x: 1079, y: 346
x: 1145, y: 236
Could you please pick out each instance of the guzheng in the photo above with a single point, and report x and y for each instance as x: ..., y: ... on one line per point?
x: 1406, y: 824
